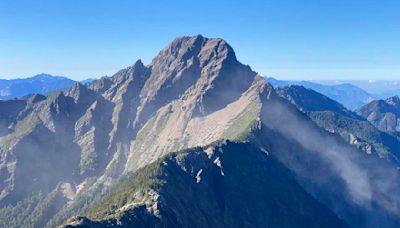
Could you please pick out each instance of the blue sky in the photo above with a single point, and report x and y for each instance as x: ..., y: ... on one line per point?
x: 338, y: 39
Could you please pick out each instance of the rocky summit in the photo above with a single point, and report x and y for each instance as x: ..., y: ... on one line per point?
x: 194, y: 139
x: 384, y: 114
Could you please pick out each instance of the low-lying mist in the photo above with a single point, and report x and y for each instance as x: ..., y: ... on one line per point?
x: 324, y: 159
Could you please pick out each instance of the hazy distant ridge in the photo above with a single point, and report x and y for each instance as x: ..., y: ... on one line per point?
x: 38, y: 84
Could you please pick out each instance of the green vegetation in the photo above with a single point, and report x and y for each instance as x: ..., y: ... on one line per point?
x: 33, y: 211
x: 18, y: 215
x: 78, y: 206
x: 242, y: 126
x: 363, y: 130
x: 137, y: 184
x: 256, y: 191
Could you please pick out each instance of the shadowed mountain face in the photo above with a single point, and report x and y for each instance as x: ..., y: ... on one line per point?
x: 384, y: 114
x: 217, y: 187
x: 116, y: 152
x: 9, y: 109
x: 310, y: 100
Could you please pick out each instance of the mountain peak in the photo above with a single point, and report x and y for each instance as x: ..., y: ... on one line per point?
x: 186, y: 47
x: 138, y: 63
x: 34, y: 98
x: 77, y: 86
x: 205, y: 69
x: 44, y: 76
x: 185, y: 40
x: 182, y: 39
x: 138, y: 68
x: 384, y: 114
x: 80, y: 92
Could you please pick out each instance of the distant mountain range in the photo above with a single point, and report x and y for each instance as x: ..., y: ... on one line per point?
x: 352, y: 94
x: 38, y: 84
x: 352, y: 97
x: 382, y: 88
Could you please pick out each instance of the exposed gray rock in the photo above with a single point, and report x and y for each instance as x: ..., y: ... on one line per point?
x: 384, y: 114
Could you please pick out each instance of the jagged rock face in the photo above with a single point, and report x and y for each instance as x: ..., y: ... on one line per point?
x: 191, y: 77
x: 384, y: 114
x: 194, y: 92
x: 8, y: 111
x: 175, y: 127
x: 41, y: 151
x: 208, y: 67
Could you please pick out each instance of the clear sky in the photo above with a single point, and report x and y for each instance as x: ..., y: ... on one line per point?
x: 324, y: 39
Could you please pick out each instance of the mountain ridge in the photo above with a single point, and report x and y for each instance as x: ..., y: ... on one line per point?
x: 38, y: 84
x: 351, y: 96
